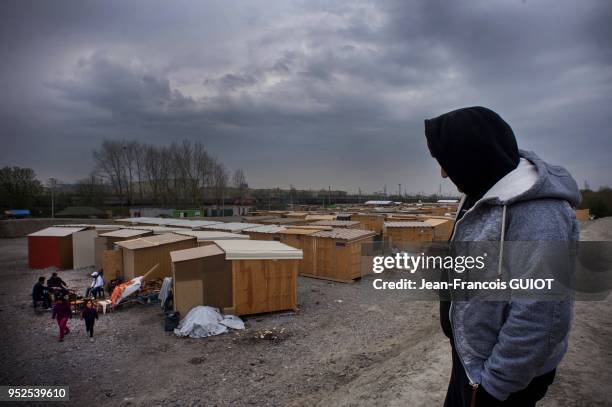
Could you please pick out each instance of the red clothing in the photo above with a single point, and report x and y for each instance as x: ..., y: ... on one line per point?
x: 63, y: 327
x: 61, y: 310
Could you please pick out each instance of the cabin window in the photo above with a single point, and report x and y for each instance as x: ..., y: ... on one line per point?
x: 340, y: 244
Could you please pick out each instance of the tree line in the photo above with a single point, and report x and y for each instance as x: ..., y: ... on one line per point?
x: 180, y: 173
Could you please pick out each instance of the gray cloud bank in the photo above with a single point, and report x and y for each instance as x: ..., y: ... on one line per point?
x: 310, y: 93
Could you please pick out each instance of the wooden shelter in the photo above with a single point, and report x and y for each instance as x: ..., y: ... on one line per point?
x: 235, y: 227
x: 345, y: 224
x: 141, y: 254
x: 264, y: 232
x: 300, y: 239
x: 283, y: 221
x: 337, y: 253
x: 430, y: 230
x: 238, y: 276
x: 206, y: 237
x: 370, y: 221
x: 106, y: 241
x: 333, y: 254
x: 317, y: 217
x: 583, y: 214
x: 256, y: 218
x: 52, y: 247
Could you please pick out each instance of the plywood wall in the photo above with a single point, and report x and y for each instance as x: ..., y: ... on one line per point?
x: 264, y: 286
x: 369, y: 222
x: 83, y: 248
x: 409, y: 234
x: 112, y: 264
x: 308, y: 246
x: 138, y: 262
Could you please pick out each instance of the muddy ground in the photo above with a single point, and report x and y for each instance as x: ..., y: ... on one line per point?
x: 347, y: 346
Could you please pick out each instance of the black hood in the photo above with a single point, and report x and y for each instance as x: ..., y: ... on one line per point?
x: 474, y: 146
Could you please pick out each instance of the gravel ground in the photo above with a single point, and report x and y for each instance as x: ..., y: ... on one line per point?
x: 348, y: 345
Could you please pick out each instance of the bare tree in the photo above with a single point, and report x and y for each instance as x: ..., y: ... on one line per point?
x: 239, y: 182
x: 91, y: 189
x: 220, y: 180
x: 110, y: 164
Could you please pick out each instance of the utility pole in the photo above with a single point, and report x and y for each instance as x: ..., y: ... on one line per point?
x: 329, y: 194
x: 52, y: 183
x: 399, y: 188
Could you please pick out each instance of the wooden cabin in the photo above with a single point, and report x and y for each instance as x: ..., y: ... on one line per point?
x: 583, y: 214
x: 141, y: 254
x: 283, y: 221
x: 300, y: 239
x: 338, y: 253
x: 264, y: 232
x: 333, y: 254
x: 52, y: 247
x: 370, y: 221
x: 339, y: 224
x: 430, y: 230
x: 106, y: 241
x: 240, y: 277
x: 206, y: 237
x: 232, y: 227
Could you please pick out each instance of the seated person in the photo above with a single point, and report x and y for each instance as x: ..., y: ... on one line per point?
x: 97, y: 286
x: 57, y: 285
x: 41, y: 293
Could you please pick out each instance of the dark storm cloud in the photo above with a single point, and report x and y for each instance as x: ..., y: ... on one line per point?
x: 304, y: 93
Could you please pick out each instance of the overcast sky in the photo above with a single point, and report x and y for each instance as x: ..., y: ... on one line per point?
x: 309, y: 93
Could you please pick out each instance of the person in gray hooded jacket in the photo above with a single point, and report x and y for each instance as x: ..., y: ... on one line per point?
x: 504, y: 352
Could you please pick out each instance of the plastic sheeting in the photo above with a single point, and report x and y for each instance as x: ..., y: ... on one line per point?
x: 165, y: 290
x: 124, y: 290
x: 203, y: 321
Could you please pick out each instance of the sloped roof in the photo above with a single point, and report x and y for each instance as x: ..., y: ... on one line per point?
x: 293, y: 231
x: 336, y: 223
x: 407, y: 224
x: 257, y: 249
x: 195, y: 253
x: 320, y: 217
x: 232, y: 226
x: 345, y: 234
x: 158, y: 230
x: 193, y: 224
x: 125, y: 233
x: 281, y: 221
x: 152, y: 241
x: 265, y: 229
x: 57, y: 231
x: 208, y: 235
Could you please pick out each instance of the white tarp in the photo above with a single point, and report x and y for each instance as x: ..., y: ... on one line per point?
x: 203, y: 321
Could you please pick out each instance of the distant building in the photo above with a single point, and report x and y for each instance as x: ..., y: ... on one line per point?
x: 380, y: 203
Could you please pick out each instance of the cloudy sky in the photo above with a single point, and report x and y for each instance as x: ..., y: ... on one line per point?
x: 310, y: 93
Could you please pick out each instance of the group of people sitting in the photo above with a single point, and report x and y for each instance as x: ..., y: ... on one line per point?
x: 57, y: 288
x: 41, y: 293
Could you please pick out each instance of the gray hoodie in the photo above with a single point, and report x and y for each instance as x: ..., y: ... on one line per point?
x: 503, y: 345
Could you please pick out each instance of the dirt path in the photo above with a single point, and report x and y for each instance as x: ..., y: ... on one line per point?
x: 348, y: 346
